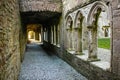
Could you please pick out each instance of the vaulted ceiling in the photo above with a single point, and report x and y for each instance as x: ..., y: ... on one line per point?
x: 40, y: 11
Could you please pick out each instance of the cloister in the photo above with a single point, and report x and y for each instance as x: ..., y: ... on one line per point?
x: 71, y: 30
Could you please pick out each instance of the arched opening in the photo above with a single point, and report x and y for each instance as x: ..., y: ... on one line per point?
x: 34, y: 32
x: 31, y: 35
x: 103, y: 25
x: 99, y: 32
x: 69, y: 24
x: 78, y: 33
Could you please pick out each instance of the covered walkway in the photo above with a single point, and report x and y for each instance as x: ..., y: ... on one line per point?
x: 39, y: 65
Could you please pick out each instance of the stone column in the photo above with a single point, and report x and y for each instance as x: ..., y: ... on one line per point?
x: 75, y: 40
x: 51, y: 36
x: 71, y: 35
x: 68, y: 39
x: 46, y: 35
x: 92, y: 46
x: 42, y: 34
x: 54, y: 35
x: 78, y: 40
x: 58, y: 35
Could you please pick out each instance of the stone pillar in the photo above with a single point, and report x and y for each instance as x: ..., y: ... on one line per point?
x: 68, y: 39
x: 78, y: 40
x: 32, y: 35
x: 42, y: 34
x: 54, y: 35
x: 84, y: 38
x: 58, y: 35
x: 115, y: 43
x: 51, y: 35
x: 46, y: 33
x: 92, y: 46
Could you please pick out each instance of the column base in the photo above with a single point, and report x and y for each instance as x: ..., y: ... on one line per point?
x: 93, y: 59
x: 54, y: 43
x: 71, y: 51
x: 58, y: 45
x: 78, y: 53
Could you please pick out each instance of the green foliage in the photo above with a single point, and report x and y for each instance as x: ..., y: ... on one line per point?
x: 104, y: 43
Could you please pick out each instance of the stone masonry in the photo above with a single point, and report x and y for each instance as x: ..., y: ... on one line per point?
x: 10, y: 51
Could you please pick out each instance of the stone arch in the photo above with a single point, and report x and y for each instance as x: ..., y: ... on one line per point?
x: 69, y: 22
x: 69, y: 29
x: 31, y: 34
x: 92, y: 21
x: 78, y: 31
x: 97, y: 5
x: 79, y: 17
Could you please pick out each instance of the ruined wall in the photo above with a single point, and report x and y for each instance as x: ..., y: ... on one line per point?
x: 116, y: 37
x: 71, y: 5
x: 9, y: 40
x: 40, y: 5
x: 22, y: 40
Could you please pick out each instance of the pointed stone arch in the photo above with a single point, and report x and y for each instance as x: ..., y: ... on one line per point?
x: 69, y: 29
x: 78, y: 31
x: 92, y: 21
x: 69, y: 22
x: 97, y: 5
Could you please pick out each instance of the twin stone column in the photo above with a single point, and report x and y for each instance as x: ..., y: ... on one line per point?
x: 74, y: 42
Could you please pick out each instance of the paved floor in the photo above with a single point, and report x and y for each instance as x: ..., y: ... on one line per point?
x: 38, y: 65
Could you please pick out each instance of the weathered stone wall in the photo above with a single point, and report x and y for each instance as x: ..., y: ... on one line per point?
x: 23, y: 40
x: 9, y: 39
x: 116, y: 37
x: 71, y: 5
x: 40, y: 5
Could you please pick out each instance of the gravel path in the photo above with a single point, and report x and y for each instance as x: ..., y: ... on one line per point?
x: 38, y: 65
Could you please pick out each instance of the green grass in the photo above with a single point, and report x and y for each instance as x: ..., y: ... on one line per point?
x: 104, y: 43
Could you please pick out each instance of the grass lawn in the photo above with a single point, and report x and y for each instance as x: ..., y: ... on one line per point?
x: 104, y: 43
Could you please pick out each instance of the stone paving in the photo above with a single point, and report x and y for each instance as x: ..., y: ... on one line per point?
x: 38, y: 65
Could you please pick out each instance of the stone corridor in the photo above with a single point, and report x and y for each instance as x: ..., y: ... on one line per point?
x: 72, y: 29
x: 38, y: 65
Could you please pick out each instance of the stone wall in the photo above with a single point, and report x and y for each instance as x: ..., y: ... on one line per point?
x: 116, y: 37
x: 40, y: 5
x: 22, y: 40
x: 70, y: 5
x: 9, y: 40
